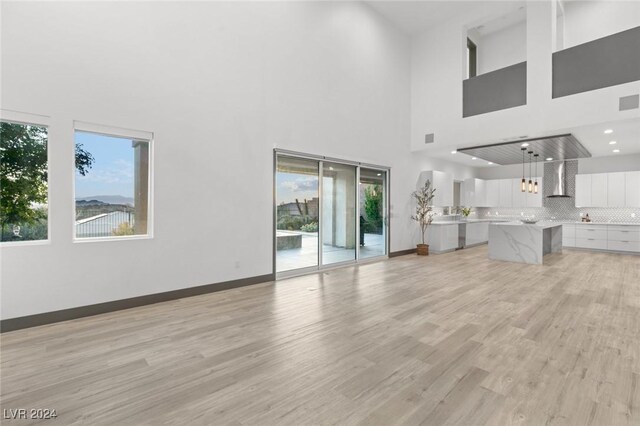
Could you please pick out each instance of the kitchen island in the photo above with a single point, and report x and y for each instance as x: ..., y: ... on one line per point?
x: 524, y: 243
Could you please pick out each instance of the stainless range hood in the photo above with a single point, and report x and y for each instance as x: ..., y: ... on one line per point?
x: 559, y: 177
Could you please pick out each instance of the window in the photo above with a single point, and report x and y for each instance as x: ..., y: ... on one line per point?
x: 472, y: 58
x: 23, y: 182
x: 111, y: 183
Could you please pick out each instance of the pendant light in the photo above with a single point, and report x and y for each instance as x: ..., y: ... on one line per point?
x: 523, y: 186
x: 530, y: 182
x: 535, y: 184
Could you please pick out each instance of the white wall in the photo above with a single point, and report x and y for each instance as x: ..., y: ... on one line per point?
x: 586, y: 21
x: 502, y: 48
x: 438, y: 69
x: 220, y: 84
x: 460, y: 172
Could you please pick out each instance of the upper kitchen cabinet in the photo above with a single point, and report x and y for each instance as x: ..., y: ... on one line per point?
x: 591, y: 190
x: 506, y: 192
x: 525, y: 199
x: 443, y: 184
x: 492, y: 190
x: 620, y: 189
x: 583, y: 190
x: 632, y: 189
x: 599, y: 190
x: 518, y: 198
x: 616, y: 189
x: 535, y: 199
x: 474, y: 193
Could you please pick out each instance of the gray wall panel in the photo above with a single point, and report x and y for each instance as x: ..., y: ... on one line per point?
x: 597, y: 64
x: 496, y: 90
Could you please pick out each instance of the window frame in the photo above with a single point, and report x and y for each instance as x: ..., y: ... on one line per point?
x: 125, y: 133
x: 30, y: 119
x: 472, y: 54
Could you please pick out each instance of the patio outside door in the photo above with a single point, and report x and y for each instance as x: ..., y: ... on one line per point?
x: 327, y: 213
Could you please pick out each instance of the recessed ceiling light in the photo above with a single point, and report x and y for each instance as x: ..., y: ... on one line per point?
x: 453, y: 152
x: 613, y: 142
x: 490, y: 163
x: 550, y: 158
x: 616, y: 150
x: 606, y: 132
x: 474, y: 158
x: 524, y: 144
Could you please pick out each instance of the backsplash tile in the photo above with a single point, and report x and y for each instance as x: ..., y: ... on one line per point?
x: 563, y: 208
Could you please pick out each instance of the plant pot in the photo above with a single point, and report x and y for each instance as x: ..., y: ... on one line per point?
x: 423, y: 249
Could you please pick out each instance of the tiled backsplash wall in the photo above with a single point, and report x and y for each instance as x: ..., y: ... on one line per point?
x: 564, y: 208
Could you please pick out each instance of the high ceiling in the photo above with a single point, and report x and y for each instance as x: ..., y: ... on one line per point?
x: 413, y: 17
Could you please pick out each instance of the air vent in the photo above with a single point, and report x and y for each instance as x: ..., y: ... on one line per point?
x: 428, y: 138
x: 629, y: 102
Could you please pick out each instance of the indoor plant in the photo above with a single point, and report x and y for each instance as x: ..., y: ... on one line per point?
x: 424, y: 213
x: 466, y: 211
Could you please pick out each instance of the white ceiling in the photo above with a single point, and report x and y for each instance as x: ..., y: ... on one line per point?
x: 413, y: 17
x: 515, y: 17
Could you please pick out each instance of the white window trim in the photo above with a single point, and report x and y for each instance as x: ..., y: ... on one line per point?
x: 120, y: 132
x: 39, y: 120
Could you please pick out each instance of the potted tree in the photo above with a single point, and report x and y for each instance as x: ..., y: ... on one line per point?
x: 424, y: 213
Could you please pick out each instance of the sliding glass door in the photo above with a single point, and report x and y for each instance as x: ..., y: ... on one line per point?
x: 297, y: 186
x: 327, y: 213
x: 338, y: 214
x: 373, y: 213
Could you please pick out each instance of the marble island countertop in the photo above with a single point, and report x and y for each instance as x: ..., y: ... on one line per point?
x: 527, y: 243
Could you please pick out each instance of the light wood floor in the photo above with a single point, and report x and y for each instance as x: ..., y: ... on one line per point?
x: 449, y: 339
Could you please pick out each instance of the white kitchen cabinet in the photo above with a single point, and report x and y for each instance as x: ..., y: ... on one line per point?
x: 442, y: 237
x: 599, y: 190
x: 506, y: 193
x: 476, y: 233
x: 619, y: 189
x: 518, y: 198
x: 583, y: 191
x: 616, y: 189
x: 473, y: 193
x: 533, y: 199
x: 443, y: 183
x: 569, y: 235
x: 481, y: 193
x: 492, y: 191
x: 632, y: 189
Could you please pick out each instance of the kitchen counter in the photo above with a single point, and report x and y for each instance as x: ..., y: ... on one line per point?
x: 525, y: 243
x: 606, y: 223
x: 458, y: 222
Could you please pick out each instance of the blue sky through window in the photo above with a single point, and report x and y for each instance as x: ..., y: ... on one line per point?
x: 113, y: 169
x: 293, y: 185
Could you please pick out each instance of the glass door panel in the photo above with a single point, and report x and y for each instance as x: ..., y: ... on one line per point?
x: 373, y: 213
x: 296, y: 213
x: 338, y: 213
